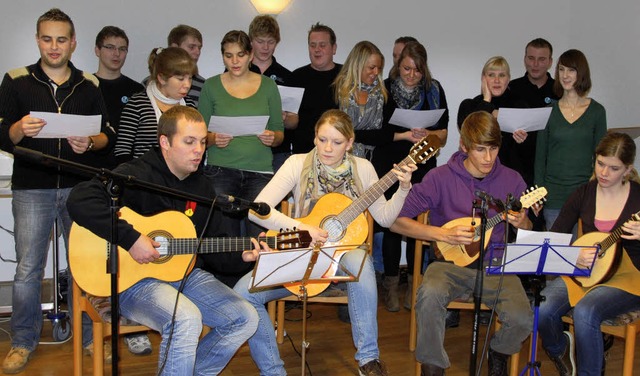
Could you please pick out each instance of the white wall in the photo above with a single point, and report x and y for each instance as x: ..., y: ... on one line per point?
x: 460, y: 36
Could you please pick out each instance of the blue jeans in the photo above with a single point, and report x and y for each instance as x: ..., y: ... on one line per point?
x: 363, y: 306
x: 34, y: 211
x: 204, y: 300
x: 601, y: 303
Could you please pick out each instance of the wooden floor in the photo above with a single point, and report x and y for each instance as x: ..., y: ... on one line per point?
x: 330, y: 353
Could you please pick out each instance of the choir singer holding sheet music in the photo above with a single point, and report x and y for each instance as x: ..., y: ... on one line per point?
x: 240, y: 166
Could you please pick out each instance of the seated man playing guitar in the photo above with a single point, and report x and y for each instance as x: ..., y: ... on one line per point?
x: 182, y: 135
x: 328, y: 172
x: 448, y: 193
x: 610, y: 202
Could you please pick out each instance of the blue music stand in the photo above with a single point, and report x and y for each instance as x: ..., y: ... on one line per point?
x: 536, y: 259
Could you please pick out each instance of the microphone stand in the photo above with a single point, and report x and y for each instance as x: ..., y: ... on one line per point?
x: 114, y: 183
x: 477, y: 290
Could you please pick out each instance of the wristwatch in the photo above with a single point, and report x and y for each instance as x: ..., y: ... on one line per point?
x: 91, y: 143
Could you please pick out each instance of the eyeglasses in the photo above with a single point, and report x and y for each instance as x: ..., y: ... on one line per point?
x: 112, y: 48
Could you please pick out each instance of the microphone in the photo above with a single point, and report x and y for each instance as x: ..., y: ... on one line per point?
x: 484, y: 196
x: 259, y: 207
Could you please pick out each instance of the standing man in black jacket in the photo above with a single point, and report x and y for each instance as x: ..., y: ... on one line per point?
x: 53, y: 84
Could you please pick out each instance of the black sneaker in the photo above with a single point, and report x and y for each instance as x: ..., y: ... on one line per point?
x: 343, y: 313
x: 497, y: 363
x: 565, y: 363
x: 373, y: 368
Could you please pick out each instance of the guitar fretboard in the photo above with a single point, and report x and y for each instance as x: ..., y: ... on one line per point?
x: 182, y: 246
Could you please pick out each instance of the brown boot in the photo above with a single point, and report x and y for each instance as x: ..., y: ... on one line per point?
x: 427, y: 369
x: 391, y: 299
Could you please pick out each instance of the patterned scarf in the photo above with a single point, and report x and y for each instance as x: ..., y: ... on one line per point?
x: 365, y: 117
x: 322, y: 179
x: 413, y: 99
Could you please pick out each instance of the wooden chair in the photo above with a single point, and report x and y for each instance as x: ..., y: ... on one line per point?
x: 625, y: 326
x: 276, y: 308
x: 462, y: 305
x: 99, y: 310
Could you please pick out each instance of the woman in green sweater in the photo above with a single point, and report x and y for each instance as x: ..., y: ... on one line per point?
x: 240, y: 166
x: 564, y: 152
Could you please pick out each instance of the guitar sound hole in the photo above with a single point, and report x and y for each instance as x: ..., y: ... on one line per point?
x: 334, y: 227
x: 162, y: 237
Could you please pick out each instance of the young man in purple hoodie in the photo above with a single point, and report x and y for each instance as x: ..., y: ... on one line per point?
x: 448, y: 193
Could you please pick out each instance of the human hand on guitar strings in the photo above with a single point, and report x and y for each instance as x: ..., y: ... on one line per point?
x: 319, y: 236
x: 631, y: 230
x: 456, y: 235
x: 404, y: 174
x: 586, y: 257
x: 252, y: 255
x: 144, y: 250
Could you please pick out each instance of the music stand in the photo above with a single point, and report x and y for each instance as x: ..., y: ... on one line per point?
x: 537, y: 259
x: 303, y: 267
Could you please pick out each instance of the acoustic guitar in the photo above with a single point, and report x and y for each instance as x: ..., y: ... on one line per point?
x: 608, y: 257
x: 88, y: 253
x: 463, y: 255
x: 349, y: 226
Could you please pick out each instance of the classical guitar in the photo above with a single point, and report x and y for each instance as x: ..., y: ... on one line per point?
x: 608, y: 257
x: 463, y: 255
x: 88, y: 253
x: 349, y: 226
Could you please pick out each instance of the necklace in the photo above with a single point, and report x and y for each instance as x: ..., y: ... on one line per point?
x: 573, y: 108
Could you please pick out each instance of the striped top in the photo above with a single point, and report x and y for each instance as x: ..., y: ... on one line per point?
x: 138, y: 128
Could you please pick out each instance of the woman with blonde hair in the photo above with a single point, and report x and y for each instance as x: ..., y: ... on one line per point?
x: 360, y: 92
x: 605, y: 203
x: 329, y: 167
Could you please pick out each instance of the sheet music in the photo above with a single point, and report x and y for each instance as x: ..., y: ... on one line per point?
x: 66, y: 125
x: 291, y: 98
x: 528, y: 119
x: 238, y: 125
x: 538, y: 237
x: 415, y: 119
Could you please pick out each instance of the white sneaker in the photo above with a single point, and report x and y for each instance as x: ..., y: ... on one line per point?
x: 138, y: 344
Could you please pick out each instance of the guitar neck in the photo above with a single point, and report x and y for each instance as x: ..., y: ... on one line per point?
x: 185, y: 246
x: 491, y: 222
x: 361, y: 204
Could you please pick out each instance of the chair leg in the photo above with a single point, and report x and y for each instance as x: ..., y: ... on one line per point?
x: 418, y: 370
x: 280, y: 328
x: 514, y: 367
x: 629, y: 349
x: 98, y: 349
x: 271, y: 309
x: 77, y: 338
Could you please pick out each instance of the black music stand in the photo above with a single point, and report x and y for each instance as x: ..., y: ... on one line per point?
x: 304, y: 267
x: 537, y: 259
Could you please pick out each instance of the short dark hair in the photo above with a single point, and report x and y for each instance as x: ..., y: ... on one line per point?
x: 55, y: 14
x: 405, y: 40
x: 480, y: 128
x: 264, y: 25
x: 320, y: 28
x: 168, y: 122
x: 540, y: 43
x: 108, y: 32
x: 574, y: 59
x: 238, y: 37
x: 179, y: 33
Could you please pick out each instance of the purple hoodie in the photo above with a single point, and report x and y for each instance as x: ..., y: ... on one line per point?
x: 449, y: 190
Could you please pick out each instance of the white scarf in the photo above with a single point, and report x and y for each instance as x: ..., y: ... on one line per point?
x: 154, y: 93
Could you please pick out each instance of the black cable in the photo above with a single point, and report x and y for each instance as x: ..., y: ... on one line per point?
x: 299, y: 354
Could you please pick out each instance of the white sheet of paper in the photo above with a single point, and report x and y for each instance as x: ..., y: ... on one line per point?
x: 65, y: 125
x: 415, y: 119
x: 527, y: 119
x: 238, y: 125
x: 291, y: 98
x: 539, y: 237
